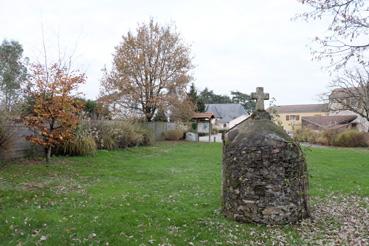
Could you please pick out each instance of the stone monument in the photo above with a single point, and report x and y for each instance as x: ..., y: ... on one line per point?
x: 264, y: 172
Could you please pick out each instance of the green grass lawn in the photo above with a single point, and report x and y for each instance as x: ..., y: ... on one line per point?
x: 168, y: 194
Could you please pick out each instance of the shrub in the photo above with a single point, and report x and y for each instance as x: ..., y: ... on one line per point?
x: 306, y: 135
x: 103, y: 135
x: 108, y: 142
x: 148, y: 136
x: 345, y: 138
x: 327, y: 137
x: 193, y: 126
x: 111, y: 135
x: 81, y: 144
x: 321, y: 140
x: 351, y: 138
x: 174, y: 135
x: 126, y: 135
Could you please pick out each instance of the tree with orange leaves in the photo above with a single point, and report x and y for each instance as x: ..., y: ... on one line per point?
x: 55, y: 113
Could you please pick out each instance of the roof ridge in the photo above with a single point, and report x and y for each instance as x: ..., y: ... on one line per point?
x: 302, y: 104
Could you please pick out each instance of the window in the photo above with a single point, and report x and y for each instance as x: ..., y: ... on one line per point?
x: 292, y: 117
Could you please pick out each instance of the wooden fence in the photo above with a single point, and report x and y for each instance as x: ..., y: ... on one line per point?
x: 18, y: 146
x: 159, y: 128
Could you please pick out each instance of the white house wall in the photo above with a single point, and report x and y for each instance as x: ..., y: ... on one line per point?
x: 238, y: 120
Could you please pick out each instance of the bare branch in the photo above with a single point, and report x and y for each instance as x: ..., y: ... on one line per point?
x: 346, y: 43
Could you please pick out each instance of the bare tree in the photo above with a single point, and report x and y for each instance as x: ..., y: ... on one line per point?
x: 346, y: 46
x: 346, y: 41
x: 351, y: 92
x: 149, y: 67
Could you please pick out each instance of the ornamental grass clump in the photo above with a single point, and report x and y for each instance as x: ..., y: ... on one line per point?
x: 121, y: 134
x: 103, y: 134
x: 147, y: 136
x: 327, y: 137
x: 351, y: 138
x: 127, y: 135
x: 333, y: 137
x: 82, y: 143
x: 306, y: 135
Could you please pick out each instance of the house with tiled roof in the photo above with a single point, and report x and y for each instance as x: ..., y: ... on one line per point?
x: 323, y: 116
x: 331, y: 122
x: 343, y: 100
x: 227, y: 114
x: 290, y: 116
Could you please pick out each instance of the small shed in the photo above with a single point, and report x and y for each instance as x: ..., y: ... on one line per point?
x: 203, y: 123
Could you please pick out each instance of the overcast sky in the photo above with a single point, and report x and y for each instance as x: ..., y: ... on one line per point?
x: 236, y: 45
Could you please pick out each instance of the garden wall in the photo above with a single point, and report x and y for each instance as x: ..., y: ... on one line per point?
x: 19, y: 147
x: 159, y: 128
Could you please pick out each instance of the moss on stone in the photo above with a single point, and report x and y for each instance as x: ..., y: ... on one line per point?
x: 258, y: 126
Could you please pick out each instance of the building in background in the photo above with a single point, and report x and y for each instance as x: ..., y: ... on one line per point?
x: 334, y: 122
x: 342, y: 99
x: 290, y: 116
x: 226, y: 115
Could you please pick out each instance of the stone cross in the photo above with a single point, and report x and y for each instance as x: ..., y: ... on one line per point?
x: 260, y: 96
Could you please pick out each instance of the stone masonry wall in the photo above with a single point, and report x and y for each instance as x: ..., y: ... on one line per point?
x: 264, y: 175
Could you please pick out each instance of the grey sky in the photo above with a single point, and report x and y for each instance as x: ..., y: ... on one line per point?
x: 236, y: 45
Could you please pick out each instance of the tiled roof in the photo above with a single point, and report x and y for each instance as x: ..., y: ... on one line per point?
x: 226, y: 112
x: 206, y: 115
x: 301, y: 108
x: 329, y: 121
